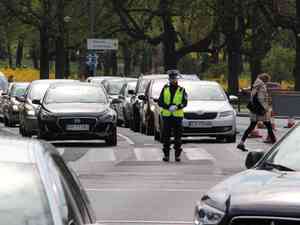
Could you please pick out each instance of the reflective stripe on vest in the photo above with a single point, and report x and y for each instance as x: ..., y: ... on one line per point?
x: 177, y: 100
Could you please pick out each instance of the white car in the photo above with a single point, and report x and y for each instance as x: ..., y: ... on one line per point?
x: 208, y: 113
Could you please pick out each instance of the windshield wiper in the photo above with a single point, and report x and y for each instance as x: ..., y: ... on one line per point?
x: 277, y: 166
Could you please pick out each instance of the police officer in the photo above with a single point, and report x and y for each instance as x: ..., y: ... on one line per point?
x: 172, y: 100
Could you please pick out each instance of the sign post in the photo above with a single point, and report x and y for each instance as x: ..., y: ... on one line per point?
x: 94, y: 45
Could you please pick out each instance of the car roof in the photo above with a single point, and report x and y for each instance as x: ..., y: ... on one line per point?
x: 184, y: 81
x: 165, y: 76
x: 53, y: 81
x: 18, y: 150
x: 54, y: 85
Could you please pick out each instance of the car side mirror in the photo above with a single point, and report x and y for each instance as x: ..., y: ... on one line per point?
x: 131, y: 92
x: 36, y: 102
x: 253, y: 157
x: 233, y: 99
x: 20, y: 98
x: 142, y: 97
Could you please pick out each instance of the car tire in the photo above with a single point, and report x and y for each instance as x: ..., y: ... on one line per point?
x: 231, y: 139
x: 111, y: 140
x: 142, y: 128
x: 126, y: 121
x: 5, y: 121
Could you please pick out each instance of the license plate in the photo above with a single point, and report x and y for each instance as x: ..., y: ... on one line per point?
x: 78, y: 127
x: 200, y: 124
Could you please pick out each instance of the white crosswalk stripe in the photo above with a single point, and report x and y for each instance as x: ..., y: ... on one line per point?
x: 145, y: 154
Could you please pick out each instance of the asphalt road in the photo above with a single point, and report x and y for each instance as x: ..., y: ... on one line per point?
x: 129, y: 184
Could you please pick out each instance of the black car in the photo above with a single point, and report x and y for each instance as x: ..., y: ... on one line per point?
x: 77, y: 111
x: 28, y: 110
x: 266, y: 194
x: 38, y: 187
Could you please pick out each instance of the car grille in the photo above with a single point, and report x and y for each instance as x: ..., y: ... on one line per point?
x: 78, y: 120
x: 262, y: 221
x: 207, y: 129
x: 204, y: 116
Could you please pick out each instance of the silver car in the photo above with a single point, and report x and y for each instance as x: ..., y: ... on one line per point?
x: 38, y: 187
x: 208, y: 113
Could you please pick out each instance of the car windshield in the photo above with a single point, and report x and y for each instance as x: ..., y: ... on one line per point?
x: 114, y: 87
x: 195, y: 91
x: 38, y: 91
x: 287, y: 153
x: 131, y: 85
x: 75, y: 94
x: 23, y: 198
x: 18, y: 90
x: 143, y: 85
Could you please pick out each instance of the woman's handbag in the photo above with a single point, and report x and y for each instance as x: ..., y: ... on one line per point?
x: 255, y: 106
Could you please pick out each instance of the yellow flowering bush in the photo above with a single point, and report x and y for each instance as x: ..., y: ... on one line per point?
x: 25, y: 75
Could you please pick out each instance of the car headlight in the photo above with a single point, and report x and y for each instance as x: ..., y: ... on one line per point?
x: 30, y: 111
x: 226, y: 113
x: 15, y: 108
x: 108, y: 117
x: 46, y: 116
x: 207, y: 215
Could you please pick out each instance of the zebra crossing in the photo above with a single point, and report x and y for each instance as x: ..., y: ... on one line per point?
x: 138, y: 154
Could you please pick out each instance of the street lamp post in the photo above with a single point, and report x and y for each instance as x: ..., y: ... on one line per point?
x: 67, y: 20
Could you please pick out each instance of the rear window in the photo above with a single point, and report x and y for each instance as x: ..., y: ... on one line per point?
x: 18, y: 90
x: 23, y: 198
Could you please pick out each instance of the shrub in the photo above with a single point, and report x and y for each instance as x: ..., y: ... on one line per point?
x: 280, y: 63
x: 25, y: 75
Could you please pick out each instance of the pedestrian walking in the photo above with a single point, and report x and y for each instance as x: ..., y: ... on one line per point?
x: 172, y: 100
x: 259, y: 110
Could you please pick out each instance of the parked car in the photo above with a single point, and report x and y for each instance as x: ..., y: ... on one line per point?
x: 208, y: 113
x: 266, y: 193
x: 76, y: 111
x: 99, y: 79
x: 38, y: 187
x: 11, y: 104
x: 3, y: 83
x: 4, y: 98
x: 123, y: 107
x: 29, y: 110
x: 136, y: 104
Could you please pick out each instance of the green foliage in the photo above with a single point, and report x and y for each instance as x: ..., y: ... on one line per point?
x: 280, y: 63
x: 216, y: 71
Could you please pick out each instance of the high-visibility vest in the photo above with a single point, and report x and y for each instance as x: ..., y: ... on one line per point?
x: 177, y: 100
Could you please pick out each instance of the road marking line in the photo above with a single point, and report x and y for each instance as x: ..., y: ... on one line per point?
x: 136, y: 189
x: 198, y: 154
x: 129, y: 141
x: 148, y: 154
x: 145, y: 221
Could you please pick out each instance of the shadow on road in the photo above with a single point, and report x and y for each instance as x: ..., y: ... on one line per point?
x: 63, y: 144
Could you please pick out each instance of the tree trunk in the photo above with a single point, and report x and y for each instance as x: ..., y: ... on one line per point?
x: 19, y: 53
x: 255, y: 67
x: 127, y: 60
x: 44, y: 52
x: 34, y: 56
x: 60, y: 42
x: 234, y: 62
x: 67, y: 63
x: 297, y: 63
x: 169, y: 39
x: 114, y: 62
x: 59, y: 58
x: 10, y: 60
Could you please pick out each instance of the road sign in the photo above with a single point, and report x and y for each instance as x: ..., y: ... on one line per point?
x: 102, y: 44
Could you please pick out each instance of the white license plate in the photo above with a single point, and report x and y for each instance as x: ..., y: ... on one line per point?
x: 200, y: 124
x: 78, y: 127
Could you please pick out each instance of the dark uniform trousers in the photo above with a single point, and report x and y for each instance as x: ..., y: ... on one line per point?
x: 172, y: 124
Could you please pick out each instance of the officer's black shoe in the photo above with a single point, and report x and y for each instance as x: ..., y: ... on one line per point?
x: 166, y: 159
x: 177, y: 159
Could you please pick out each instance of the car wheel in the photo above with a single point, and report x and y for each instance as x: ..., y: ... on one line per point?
x: 142, y: 128
x: 112, y: 139
x: 231, y: 139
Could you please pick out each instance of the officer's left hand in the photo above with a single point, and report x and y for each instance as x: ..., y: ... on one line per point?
x: 173, y: 108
